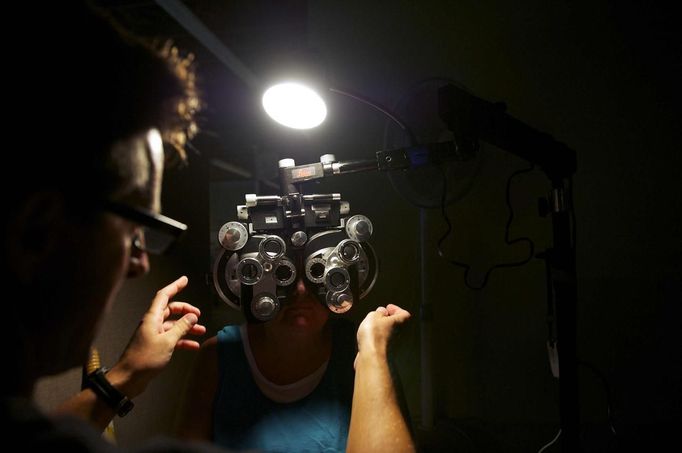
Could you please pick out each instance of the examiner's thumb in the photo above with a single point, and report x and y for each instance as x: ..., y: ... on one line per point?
x: 183, y: 325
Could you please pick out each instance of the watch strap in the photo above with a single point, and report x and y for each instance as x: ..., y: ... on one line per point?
x: 98, y: 382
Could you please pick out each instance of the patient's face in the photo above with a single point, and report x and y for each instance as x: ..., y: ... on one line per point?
x: 302, y: 312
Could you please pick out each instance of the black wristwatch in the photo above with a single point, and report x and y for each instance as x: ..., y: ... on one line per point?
x: 99, y: 384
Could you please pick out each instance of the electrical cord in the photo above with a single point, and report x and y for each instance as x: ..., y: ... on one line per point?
x: 550, y: 443
x: 467, y: 267
x: 571, y: 213
x: 412, y: 195
x: 609, y: 411
x: 607, y: 391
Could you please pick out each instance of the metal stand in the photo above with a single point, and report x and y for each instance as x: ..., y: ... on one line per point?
x: 470, y: 119
x: 562, y: 273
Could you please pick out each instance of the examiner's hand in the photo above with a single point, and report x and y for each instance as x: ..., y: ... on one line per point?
x: 162, y: 330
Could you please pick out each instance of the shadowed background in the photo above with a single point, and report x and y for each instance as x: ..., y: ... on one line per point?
x: 602, y: 77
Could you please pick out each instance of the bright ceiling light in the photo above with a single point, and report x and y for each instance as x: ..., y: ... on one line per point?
x: 294, y: 105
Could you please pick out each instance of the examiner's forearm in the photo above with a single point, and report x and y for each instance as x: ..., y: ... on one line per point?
x: 87, y: 406
x: 377, y: 423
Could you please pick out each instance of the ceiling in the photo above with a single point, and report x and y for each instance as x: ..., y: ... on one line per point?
x: 226, y: 37
x: 550, y: 61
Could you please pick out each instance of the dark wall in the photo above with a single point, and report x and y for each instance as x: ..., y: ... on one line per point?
x: 602, y: 77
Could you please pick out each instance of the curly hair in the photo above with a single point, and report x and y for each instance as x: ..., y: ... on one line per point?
x: 178, y: 123
x: 89, y: 84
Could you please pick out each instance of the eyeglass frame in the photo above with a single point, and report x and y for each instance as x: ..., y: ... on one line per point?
x: 148, y: 219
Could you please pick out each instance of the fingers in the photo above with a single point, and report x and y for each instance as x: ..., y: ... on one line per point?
x: 182, y: 327
x: 180, y: 308
x: 392, y: 308
x: 188, y: 345
x: 400, y: 314
x: 395, y: 311
x: 160, y: 301
x: 197, y: 329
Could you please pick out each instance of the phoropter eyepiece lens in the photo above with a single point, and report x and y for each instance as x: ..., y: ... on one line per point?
x: 314, y: 270
x: 272, y: 248
x: 249, y: 271
x: 337, y: 279
x: 285, y: 273
x: 348, y: 250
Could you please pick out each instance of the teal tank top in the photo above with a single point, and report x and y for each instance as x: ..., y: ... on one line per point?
x: 245, y: 419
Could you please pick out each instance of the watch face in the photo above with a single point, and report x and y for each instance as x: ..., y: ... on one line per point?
x: 125, y: 406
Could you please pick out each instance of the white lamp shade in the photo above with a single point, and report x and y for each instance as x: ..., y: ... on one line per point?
x: 294, y: 105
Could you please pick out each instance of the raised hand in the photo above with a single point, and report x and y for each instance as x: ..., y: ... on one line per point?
x: 162, y: 330
x: 376, y: 329
x: 377, y: 423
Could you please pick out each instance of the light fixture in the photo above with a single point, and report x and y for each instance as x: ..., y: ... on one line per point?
x: 294, y: 105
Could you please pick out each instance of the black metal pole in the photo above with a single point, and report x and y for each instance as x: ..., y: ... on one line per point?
x: 564, y: 285
x: 471, y: 119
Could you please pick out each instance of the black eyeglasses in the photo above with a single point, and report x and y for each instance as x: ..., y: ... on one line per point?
x: 159, y: 232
